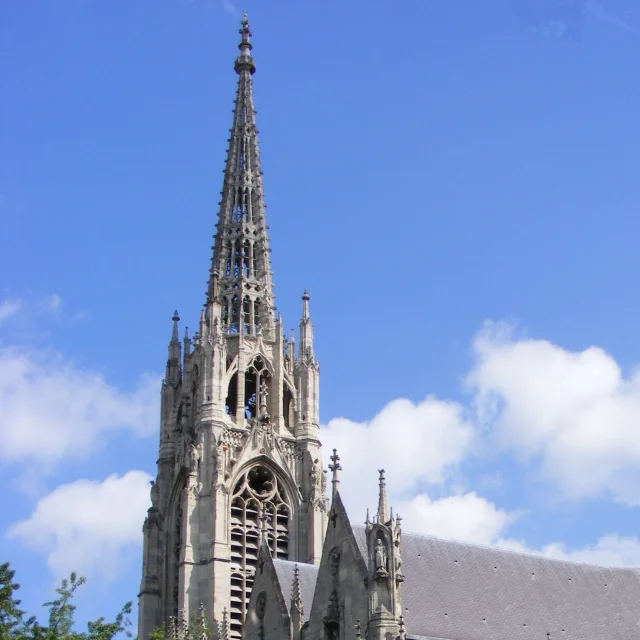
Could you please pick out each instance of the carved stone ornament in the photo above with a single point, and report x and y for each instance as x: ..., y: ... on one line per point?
x: 334, y: 561
x: 261, y: 604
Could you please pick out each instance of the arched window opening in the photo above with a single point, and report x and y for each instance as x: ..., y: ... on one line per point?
x: 246, y: 315
x: 257, y: 386
x: 237, y: 258
x: 288, y: 407
x: 225, y: 311
x: 250, y: 396
x: 259, y: 502
x: 246, y: 259
x: 174, y: 551
x: 257, y: 318
x: 254, y: 267
x: 229, y: 261
x: 234, y: 325
x: 231, y: 402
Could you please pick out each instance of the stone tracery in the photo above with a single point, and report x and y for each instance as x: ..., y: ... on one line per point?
x: 259, y: 503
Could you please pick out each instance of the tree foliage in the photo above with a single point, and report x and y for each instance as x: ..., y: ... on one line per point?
x: 14, y: 625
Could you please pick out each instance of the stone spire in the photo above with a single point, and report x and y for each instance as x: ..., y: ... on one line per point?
x: 383, y: 510
x: 173, y: 372
x: 240, y: 275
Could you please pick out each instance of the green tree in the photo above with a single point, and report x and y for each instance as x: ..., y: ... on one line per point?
x: 61, y: 619
x: 197, y: 629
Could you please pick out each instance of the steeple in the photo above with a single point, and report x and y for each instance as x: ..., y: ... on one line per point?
x: 240, y: 461
x: 240, y: 275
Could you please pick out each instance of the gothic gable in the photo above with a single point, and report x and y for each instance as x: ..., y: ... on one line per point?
x: 268, y: 614
x: 341, y: 597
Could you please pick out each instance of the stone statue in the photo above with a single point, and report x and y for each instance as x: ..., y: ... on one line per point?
x: 193, y: 458
x: 380, y: 558
x: 155, y: 495
x: 398, y: 562
x: 261, y: 604
x: 314, y: 476
x: 323, y: 482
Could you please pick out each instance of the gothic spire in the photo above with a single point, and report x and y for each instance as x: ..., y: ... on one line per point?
x: 383, y: 510
x: 240, y: 275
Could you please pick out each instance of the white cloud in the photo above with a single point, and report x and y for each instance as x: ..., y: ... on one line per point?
x: 87, y: 526
x: 50, y: 409
x: 466, y: 517
x: 575, y: 412
x: 610, y: 550
x: 413, y: 442
x: 9, y: 308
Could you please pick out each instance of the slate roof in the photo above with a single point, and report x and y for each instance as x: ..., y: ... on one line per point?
x: 458, y: 591
x: 308, y: 575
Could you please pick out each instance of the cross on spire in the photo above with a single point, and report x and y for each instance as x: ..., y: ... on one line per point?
x: 334, y: 467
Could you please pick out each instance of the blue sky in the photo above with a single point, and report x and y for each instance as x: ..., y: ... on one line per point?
x: 454, y: 182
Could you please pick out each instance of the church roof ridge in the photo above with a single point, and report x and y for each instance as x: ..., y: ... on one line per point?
x: 513, y: 552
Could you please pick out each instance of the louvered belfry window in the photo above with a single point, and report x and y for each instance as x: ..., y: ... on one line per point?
x: 257, y: 492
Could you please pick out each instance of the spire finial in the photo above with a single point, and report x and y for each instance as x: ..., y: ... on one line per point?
x: 174, y: 333
x: 382, y: 499
x: 305, y: 305
x: 334, y: 467
x: 244, y: 61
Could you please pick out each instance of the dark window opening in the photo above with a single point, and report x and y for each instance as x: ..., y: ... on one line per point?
x: 287, y: 407
x: 234, y: 325
x: 246, y: 315
x: 250, y: 395
x: 257, y: 319
x: 231, y: 402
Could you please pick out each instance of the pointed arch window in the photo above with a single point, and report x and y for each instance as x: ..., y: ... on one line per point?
x: 237, y: 258
x: 288, y: 407
x: 225, y: 311
x: 259, y: 503
x: 234, y: 324
x: 173, y: 557
x: 257, y: 317
x: 229, y: 261
x: 246, y: 315
x: 246, y: 259
x: 257, y: 387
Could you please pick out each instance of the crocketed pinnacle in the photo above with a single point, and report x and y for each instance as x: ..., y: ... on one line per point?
x: 296, y: 594
x: 240, y: 275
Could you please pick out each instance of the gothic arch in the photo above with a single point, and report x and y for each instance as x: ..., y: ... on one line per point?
x: 262, y: 501
x: 174, y: 542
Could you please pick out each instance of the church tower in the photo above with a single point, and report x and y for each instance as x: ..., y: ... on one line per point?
x: 239, y: 461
